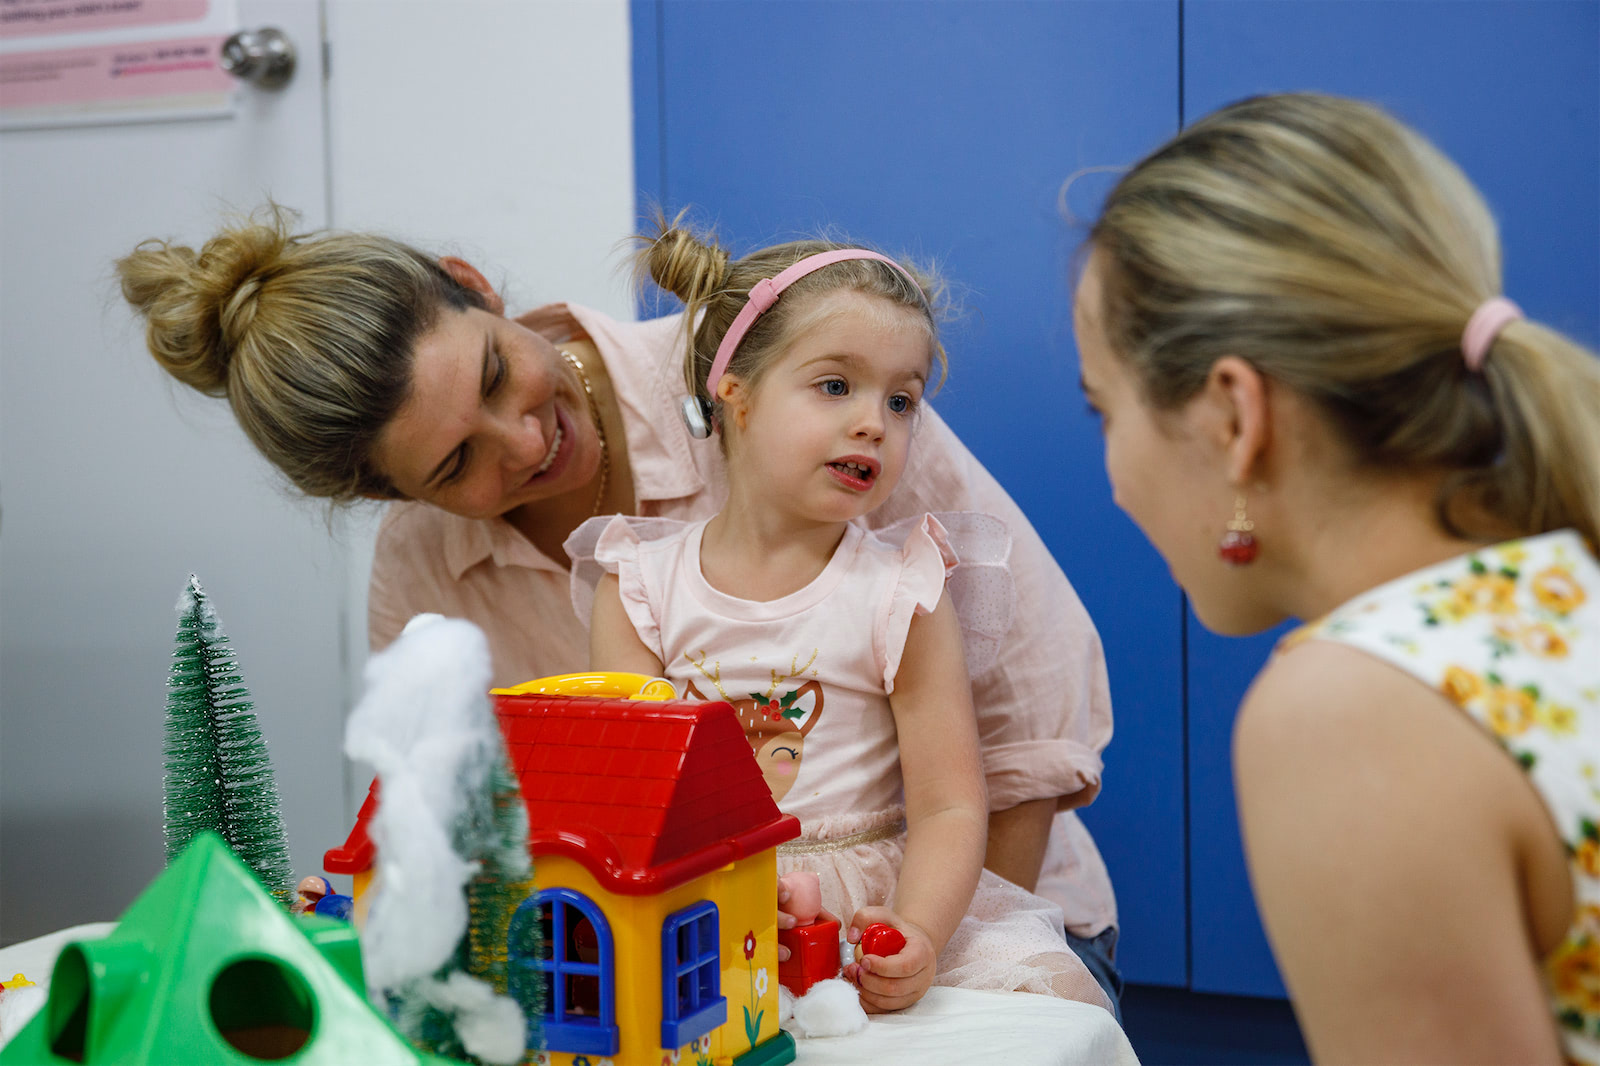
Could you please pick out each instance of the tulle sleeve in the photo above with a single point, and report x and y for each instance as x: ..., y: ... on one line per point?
x: 967, y: 553
x: 610, y: 545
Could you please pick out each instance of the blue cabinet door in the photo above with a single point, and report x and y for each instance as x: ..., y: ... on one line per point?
x: 946, y: 131
x: 1511, y: 91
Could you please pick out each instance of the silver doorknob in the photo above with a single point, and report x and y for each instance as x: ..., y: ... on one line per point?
x: 264, y: 57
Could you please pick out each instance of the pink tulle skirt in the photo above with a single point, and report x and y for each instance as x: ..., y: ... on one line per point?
x: 1009, y: 940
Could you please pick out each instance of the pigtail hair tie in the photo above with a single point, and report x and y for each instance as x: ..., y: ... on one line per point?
x: 1492, y: 316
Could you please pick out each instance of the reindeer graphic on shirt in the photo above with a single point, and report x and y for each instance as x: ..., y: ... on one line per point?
x: 775, y: 722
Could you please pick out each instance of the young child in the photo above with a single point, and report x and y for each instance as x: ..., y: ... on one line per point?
x: 836, y: 643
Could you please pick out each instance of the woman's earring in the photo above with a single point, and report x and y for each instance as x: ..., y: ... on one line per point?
x: 696, y: 417
x: 1238, y: 546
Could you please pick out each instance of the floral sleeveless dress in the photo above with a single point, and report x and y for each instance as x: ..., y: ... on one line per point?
x: 1511, y: 635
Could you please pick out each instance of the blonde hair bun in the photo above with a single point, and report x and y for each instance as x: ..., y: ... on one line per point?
x: 309, y: 336
x: 200, y: 307
x: 682, y: 262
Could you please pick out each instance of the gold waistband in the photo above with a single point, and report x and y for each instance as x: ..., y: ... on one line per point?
x: 866, y: 836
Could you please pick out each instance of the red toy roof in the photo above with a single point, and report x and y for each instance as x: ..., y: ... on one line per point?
x: 645, y: 795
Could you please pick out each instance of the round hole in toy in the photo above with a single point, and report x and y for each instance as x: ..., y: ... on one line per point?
x: 262, y: 1007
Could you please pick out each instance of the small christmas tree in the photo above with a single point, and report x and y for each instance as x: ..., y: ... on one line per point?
x: 218, y: 775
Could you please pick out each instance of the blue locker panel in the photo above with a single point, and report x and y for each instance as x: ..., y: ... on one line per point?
x: 946, y: 130
x: 1511, y: 91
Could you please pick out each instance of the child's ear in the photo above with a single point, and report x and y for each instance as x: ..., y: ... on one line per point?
x: 733, y: 394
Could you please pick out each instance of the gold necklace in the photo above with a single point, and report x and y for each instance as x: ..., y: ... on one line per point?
x: 599, y: 428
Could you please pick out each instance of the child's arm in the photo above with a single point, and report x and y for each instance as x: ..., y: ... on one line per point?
x: 946, y: 812
x: 613, y: 642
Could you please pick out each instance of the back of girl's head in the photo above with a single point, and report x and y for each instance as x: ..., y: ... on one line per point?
x: 1341, y: 254
x: 714, y: 287
x: 309, y: 337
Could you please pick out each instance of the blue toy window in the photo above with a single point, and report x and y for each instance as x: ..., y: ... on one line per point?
x: 691, y: 975
x: 562, y: 936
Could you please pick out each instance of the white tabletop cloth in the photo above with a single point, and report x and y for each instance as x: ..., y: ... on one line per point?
x: 949, y: 1025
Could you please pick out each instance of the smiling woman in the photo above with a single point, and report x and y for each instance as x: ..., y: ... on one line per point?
x: 508, y: 415
x: 363, y: 368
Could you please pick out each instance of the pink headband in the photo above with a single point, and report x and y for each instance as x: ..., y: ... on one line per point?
x: 764, y: 293
x: 1492, y: 316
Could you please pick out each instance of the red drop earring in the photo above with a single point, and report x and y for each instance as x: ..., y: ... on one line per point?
x: 1238, y: 546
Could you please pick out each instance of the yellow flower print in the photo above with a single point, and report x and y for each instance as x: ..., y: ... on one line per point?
x: 1555, y: 587
x: 1574, y: 971
x: 1589, y: 856
x: 1513, y: 552
x: 1543, y: 641
x: 1493, y: 593
x: 1510, y: 710
x: 1461, y: 686
x: 1559, y: 719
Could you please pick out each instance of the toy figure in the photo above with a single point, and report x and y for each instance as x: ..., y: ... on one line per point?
x: 808, y: 949
x: 308, y: 892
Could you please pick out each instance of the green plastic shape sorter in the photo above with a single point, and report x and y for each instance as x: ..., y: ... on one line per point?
x: 205, y: 966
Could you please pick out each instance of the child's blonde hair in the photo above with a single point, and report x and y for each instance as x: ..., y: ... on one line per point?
x: 714, y: 287
x: 1342, y: 254
x: 309, y: 337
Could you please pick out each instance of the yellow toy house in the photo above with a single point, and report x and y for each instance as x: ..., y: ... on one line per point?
x: 652, y: 913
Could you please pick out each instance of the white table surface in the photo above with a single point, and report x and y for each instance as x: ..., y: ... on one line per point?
x: 949, y: 1025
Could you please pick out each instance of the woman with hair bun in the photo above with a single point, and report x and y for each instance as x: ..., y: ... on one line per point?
x: 362, y: 367
x: 1318, y: 404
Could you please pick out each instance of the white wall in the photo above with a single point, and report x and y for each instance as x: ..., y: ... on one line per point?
x: 499, y: 131
x: 503, y: 133
x: 116, y: 484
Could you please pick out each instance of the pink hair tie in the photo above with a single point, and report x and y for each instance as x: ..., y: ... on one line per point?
x: 1492, y: 316
x: 764, y: 293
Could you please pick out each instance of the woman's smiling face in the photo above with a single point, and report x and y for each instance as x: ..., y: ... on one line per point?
x: 495, y: 418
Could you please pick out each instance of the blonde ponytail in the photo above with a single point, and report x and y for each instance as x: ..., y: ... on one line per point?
x: 1342, y: 254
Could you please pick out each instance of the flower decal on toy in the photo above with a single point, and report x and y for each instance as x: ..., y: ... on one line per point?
x: 752, y: 1024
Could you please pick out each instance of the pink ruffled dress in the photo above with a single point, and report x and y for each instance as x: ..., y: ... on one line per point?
x: 810, y: 675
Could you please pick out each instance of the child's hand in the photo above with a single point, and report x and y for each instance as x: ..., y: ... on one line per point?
x: 899, y: 980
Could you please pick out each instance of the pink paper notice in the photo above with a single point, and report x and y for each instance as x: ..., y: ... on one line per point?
x: 112, y: 74
x: 31, y: 18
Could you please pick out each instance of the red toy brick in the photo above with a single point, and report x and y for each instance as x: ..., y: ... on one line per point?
x: 813, y: 955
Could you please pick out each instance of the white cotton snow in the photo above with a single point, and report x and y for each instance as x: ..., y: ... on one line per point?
x: 426, y: 727
x: 829, y: 1008
x: 490, y: 1025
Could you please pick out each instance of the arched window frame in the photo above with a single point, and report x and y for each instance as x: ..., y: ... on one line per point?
x: 564, y: 1031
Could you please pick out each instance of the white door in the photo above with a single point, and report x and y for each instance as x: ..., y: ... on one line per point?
x: 115, y: 486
